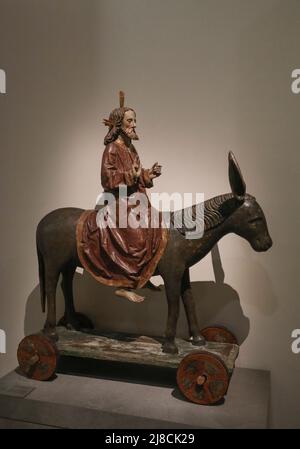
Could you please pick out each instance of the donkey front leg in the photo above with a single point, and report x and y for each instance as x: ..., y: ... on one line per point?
x: 190, y: 310
x: 172, y: 286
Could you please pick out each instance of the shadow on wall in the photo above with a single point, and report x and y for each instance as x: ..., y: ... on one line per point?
x: 216, y: 303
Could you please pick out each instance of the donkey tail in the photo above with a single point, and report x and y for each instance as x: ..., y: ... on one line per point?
x: 42, y: 279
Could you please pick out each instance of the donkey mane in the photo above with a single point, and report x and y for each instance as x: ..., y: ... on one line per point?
x: 216, y: 211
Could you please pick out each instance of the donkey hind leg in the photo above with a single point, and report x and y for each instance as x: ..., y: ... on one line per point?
x: 173, y: 296
x: 72, y: 319
x: 190, y: 310
x: 51, y: 279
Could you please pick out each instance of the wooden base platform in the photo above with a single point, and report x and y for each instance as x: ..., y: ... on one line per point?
x: 203, y: 372
x: 137, y: 349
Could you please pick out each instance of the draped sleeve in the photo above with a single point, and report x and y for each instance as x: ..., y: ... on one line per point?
x: 113, y: 171
x: 145, y: 180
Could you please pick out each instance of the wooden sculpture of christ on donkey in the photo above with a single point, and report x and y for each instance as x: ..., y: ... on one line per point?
x: 121, y: 243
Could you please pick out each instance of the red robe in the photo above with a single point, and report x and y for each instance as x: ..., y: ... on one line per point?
x: 123, y: 257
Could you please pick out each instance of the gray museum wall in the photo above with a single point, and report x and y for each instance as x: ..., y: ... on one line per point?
x: 205, y: 77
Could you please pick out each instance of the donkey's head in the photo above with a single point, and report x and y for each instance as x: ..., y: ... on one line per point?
x: 248, y: 220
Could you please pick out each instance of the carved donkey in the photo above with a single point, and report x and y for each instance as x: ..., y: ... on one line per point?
x: 235, y: 212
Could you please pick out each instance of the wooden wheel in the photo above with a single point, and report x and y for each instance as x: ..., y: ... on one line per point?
x: 37, y: 357
x: 202, y: 378
x: 219, y: 335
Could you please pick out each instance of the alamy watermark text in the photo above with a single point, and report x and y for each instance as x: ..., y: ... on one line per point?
x: 2, y: 82
x: 2, y: 342
x: 295, y: 86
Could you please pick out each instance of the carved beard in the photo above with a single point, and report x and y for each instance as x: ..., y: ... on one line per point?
x: 129, y: 132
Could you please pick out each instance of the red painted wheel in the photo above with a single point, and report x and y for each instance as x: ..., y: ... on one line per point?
x: 219, y: 335
x: 202, y: 378
x: 37, y: 357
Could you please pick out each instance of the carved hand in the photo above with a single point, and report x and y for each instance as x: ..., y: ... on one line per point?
x: 155, y: 170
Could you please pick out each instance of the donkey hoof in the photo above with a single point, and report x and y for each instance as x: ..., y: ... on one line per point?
x: 169, y: 348
x: 76, y: 322
x: 198, y: 340
x: 51, y: 333
x: 72, y: 324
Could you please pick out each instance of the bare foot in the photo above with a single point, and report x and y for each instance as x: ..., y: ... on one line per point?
x: 130, y: 295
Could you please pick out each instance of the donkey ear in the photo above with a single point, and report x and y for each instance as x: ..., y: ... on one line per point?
x: 236, y: 179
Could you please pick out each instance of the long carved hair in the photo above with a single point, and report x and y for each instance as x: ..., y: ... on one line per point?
x: 115, y: 123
